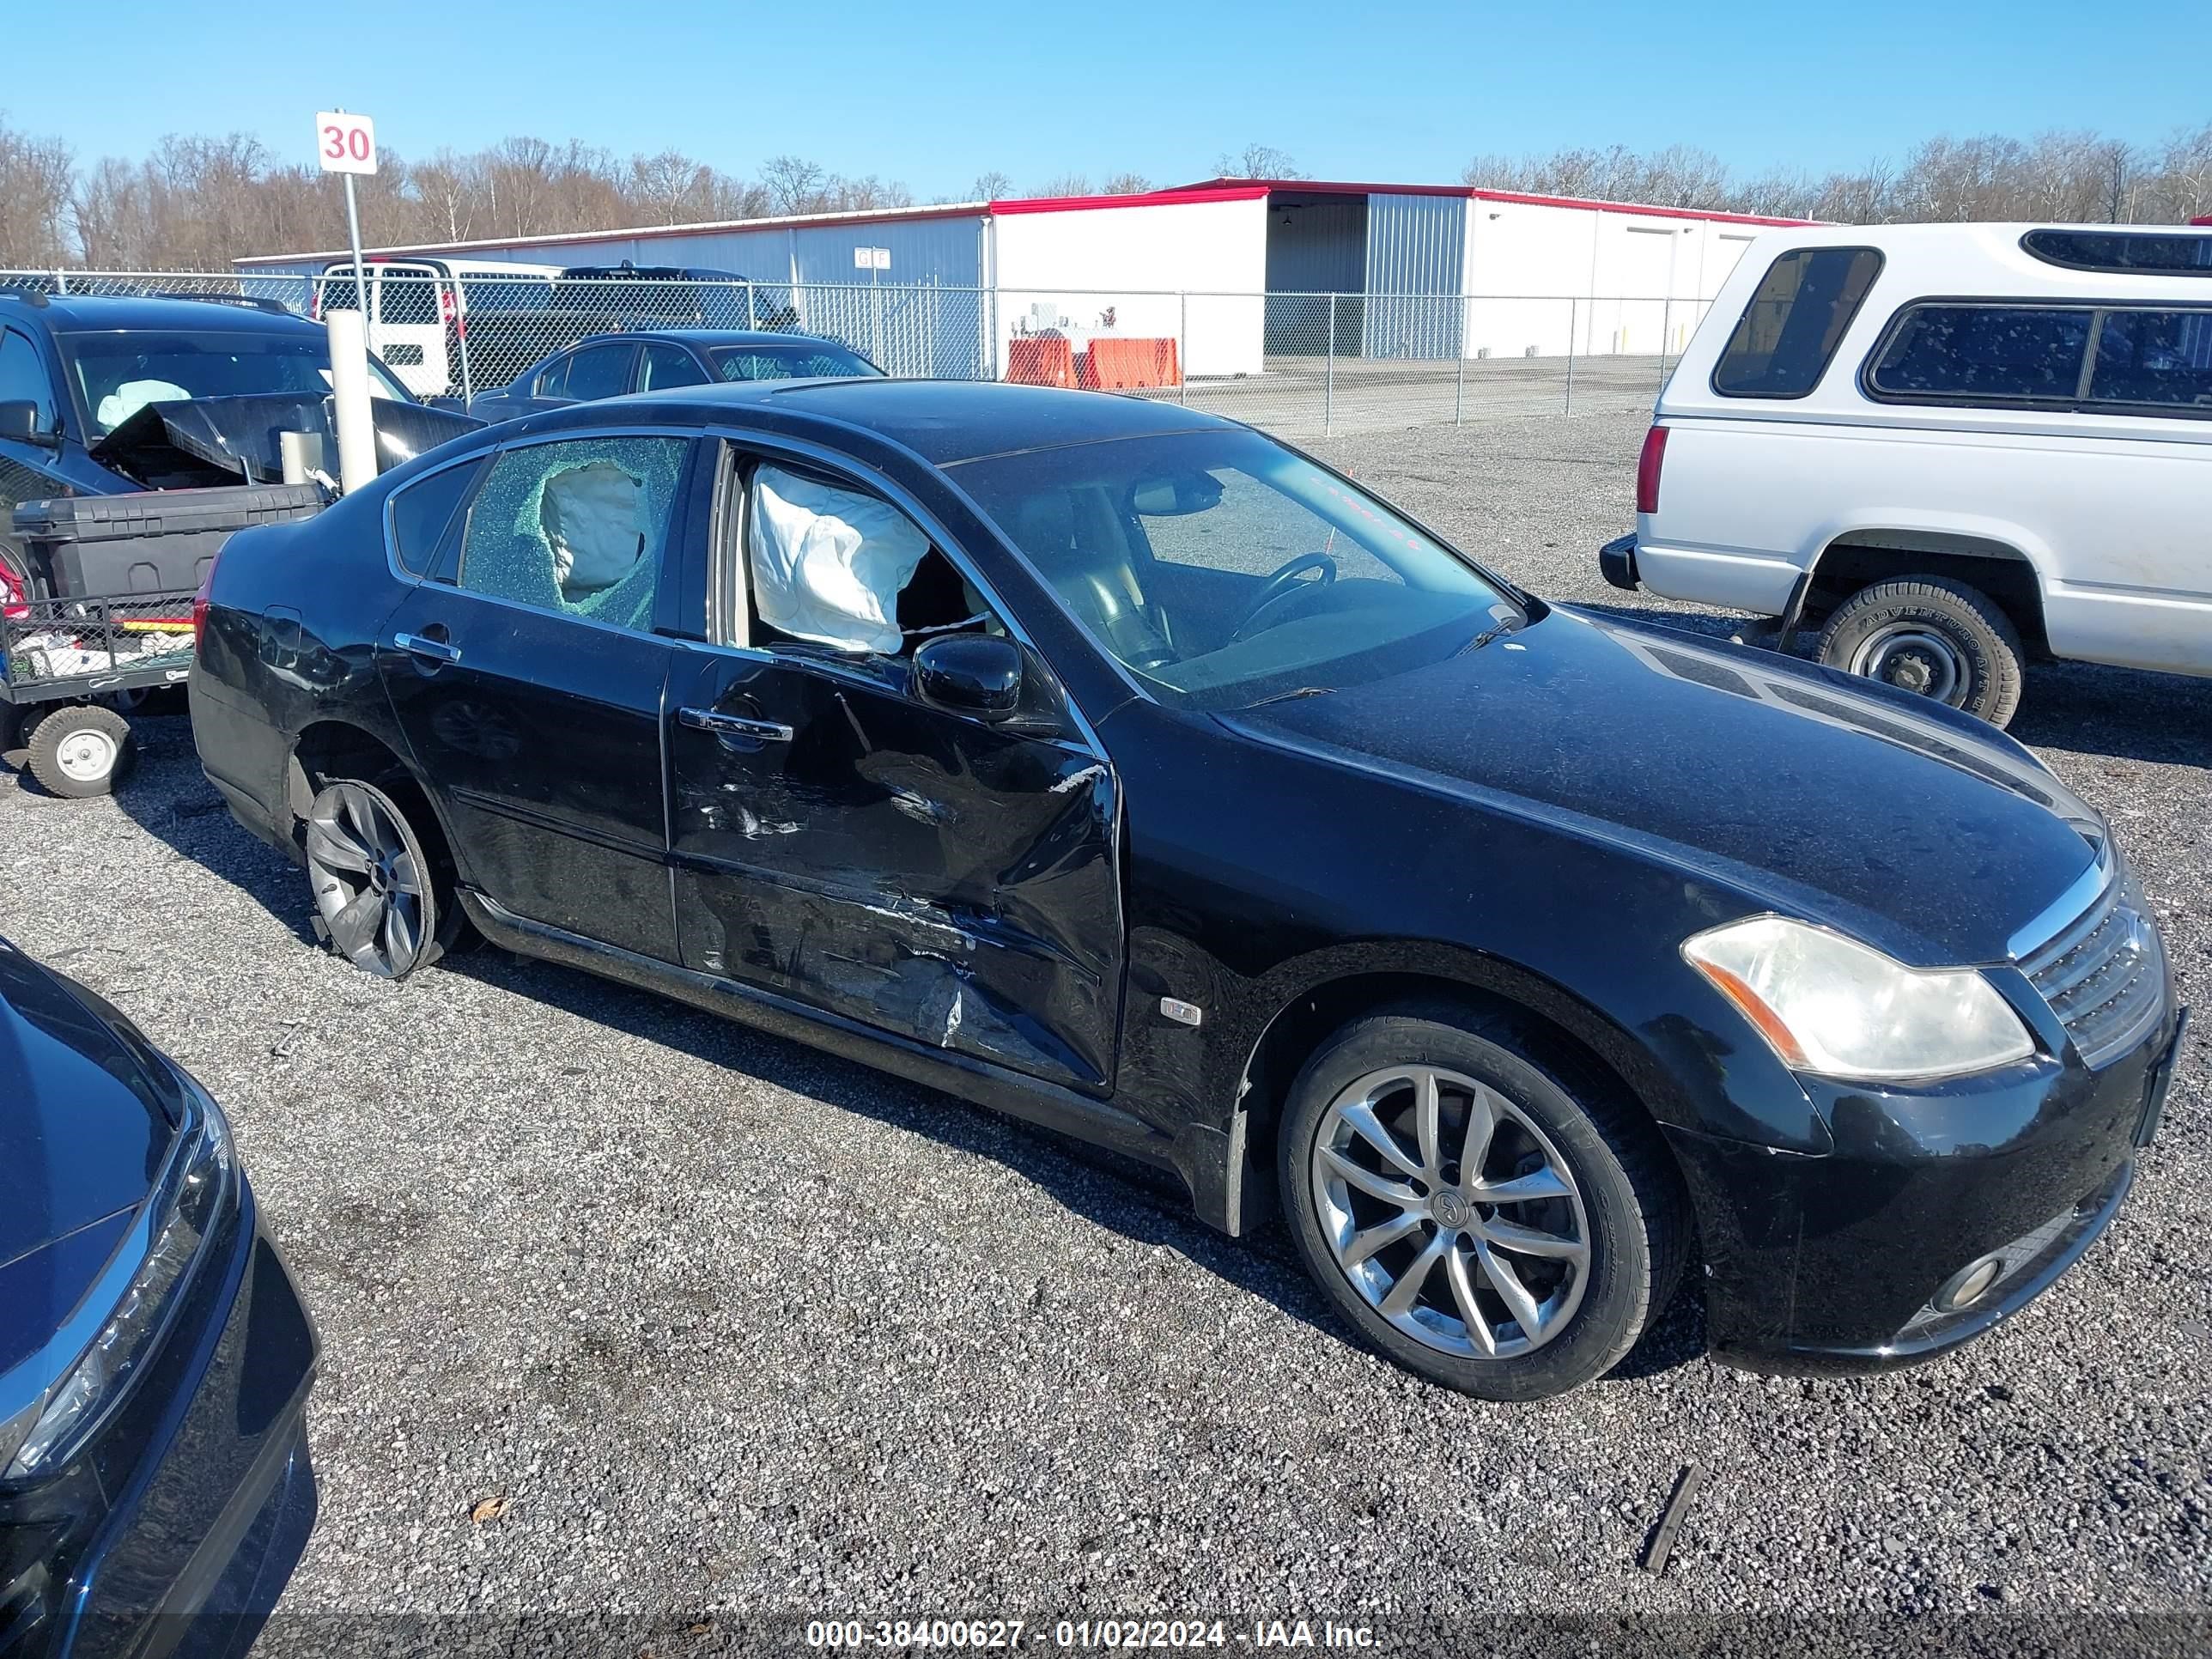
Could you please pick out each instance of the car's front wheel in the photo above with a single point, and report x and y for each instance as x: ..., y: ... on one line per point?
x: 1481, y: 1206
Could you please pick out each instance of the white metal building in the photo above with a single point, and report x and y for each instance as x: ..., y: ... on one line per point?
x: 1235, y: 271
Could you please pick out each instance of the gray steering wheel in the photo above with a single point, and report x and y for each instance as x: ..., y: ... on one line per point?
x: 1284, y: 583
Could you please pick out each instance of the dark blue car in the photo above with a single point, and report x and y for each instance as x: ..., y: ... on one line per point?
x: 74, y: 368
x: 154, y: 1357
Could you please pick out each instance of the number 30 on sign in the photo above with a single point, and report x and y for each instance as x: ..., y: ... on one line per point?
x: 345, y: 143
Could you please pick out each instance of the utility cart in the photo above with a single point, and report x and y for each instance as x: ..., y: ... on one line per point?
x: 69, y: 669
x: 105, y: 618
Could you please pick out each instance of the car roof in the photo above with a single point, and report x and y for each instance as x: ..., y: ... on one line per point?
x: 95, y: 311
x: 722, y: 336
x: 943, y: 421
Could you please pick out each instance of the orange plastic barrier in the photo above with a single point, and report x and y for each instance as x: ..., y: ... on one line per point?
x: 1113, y: 365
x: 1034, y: 360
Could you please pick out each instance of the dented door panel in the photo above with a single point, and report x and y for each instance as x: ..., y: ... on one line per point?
x: 947, y: 880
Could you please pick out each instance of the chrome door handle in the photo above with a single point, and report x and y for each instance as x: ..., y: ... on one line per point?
x: 435, y: 650
x: 734, y: 725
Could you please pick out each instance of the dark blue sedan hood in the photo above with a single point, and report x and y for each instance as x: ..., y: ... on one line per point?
x: 83, y: 1125
x: 1917, y: 829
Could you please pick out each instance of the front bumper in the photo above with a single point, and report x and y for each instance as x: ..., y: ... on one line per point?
x: 175, y: 1528
x: 1616, y: 561
x: 1840, y: 1262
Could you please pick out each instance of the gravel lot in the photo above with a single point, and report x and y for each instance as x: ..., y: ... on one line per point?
x: 743, y: 1332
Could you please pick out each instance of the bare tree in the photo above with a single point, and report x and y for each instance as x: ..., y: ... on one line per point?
x: 793, y: 184
x: 991, y: 187
x: 1064, y: 184
x: 35, y: 175
x: 1257, y: 161
x: 1126, y: 184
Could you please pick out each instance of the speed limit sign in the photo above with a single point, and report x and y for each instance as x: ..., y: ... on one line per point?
x: 345, y: 143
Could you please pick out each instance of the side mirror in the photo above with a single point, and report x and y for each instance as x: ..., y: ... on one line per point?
x: 19, y: 419
x: 979, y: 674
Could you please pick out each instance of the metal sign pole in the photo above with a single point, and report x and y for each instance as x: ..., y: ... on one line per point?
x: 360, y: 268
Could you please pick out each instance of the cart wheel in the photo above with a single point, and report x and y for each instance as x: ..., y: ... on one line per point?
x: 81, y: 749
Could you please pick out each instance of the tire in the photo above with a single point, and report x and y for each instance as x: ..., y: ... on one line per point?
x: 384, y: 895
x: 1930, y: 634
x: 81, y: 749
x: 1558, y: 1120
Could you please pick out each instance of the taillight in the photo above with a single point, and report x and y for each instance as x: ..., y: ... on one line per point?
x: 200, y: 600
x: 444, y: 305
x: 1647, y: 470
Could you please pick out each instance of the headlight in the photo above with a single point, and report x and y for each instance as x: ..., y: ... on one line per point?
x: 1830, y: 1005
x: 142, y: 1286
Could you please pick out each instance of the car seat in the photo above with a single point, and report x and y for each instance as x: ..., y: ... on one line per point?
x: 1077, y: 542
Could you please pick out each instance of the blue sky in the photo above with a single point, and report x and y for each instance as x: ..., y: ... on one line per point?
x: 933, y: 94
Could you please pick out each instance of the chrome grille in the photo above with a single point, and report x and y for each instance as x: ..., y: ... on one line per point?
x: 2104, y: 976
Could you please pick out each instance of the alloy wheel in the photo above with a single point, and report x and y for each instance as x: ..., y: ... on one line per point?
x: 1450, y: 1212
x: 367, y: 881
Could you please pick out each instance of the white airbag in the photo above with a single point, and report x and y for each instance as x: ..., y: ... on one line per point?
x: 127, y: 399
x: 591, y: 519
x: 828, y: 564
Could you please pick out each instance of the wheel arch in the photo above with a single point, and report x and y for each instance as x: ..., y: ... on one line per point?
x: 2002, y: 562
x: 328, y: 748
x: 1330, y: 990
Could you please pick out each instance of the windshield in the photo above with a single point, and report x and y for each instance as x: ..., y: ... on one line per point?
x: 792, y: 362
x: 118, y: 374
x: 1224, y: 569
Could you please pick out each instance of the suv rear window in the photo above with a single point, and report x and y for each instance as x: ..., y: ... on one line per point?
x: 2097, y: 358
x: 2176, y: 254
x: 1788, y: 333
x: 1984, y: 354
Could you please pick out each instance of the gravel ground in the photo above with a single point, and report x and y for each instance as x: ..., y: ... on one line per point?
x: 744, y: 1333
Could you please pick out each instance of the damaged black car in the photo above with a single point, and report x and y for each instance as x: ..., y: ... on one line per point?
x: 1120, y: 768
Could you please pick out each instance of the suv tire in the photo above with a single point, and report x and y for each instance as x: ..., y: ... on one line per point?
x: 1594, y: 1253
x: 1930, y: 634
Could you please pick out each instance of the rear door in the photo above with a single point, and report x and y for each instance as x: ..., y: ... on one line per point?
x: 408, y: 332
x: 840, y: 842
x: 599, y: 371
x: 527, y: 677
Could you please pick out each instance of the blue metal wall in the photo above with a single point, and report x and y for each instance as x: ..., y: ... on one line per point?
x: 1416, y: 246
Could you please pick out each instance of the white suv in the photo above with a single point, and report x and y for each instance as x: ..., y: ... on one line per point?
x: 1957, y: 445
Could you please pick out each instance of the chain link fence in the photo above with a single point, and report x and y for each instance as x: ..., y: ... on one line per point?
x: 1304, y: 365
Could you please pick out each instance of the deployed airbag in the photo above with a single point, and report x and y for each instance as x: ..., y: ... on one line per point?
x: 591, y: 515
x: 828, y: 564
x: 127, y: 399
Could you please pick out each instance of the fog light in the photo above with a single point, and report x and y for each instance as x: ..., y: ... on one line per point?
x: 1970, y: 1284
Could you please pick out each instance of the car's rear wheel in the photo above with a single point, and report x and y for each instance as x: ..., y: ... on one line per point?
x: 80, y: 750
x: 382, y: 900
x: 1481, y: 1206
x: 1930, y: 635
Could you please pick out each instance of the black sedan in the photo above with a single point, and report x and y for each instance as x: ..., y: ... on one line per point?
x: 1120, y: 768
x: 154, y: 1359
x: 611, y: 365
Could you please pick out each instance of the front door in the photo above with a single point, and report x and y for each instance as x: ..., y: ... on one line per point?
x: 529, y: 686
x: 841, y: 843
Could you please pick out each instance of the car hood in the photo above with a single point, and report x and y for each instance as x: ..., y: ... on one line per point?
x: 1905, y: 823
x: 83, y: 1125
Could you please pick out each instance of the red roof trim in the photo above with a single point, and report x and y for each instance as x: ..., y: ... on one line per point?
x: 1226, y: 190
x: 1472, y: 192
x: 2202, y: 218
